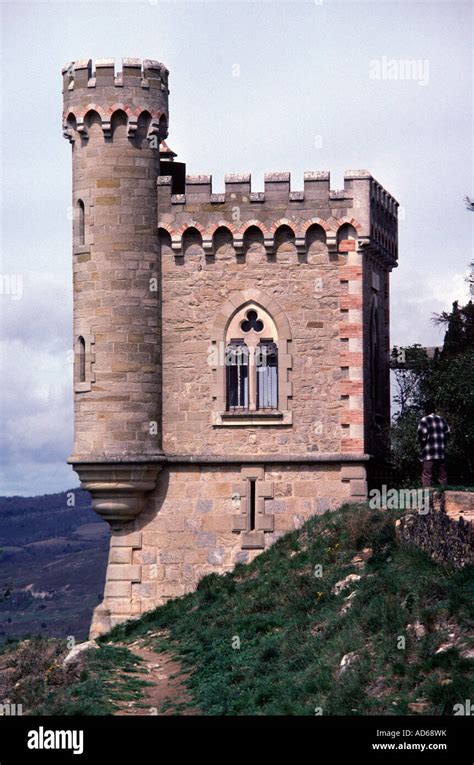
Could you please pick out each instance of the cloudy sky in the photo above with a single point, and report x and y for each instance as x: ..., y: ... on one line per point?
x: 256, y: 87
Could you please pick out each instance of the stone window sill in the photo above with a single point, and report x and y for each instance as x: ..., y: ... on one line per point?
x: 253, y: 540
x: 81, y: 249
x: 251, y: 418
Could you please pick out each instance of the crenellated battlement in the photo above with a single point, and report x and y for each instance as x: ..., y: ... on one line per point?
x: 149, y: 74
x: 137, y: 94
x: 200, y: 216
x: 363, y: 204
x: 277, y: 188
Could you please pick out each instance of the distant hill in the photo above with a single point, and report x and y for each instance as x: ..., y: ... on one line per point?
x: 53, y: 559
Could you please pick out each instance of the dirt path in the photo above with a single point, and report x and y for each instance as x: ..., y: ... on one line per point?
x: 165, y: 688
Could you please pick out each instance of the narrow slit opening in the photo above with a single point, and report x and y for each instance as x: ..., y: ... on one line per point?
x: 252, y: 506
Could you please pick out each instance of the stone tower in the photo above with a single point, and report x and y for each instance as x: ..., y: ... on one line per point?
x: 115, y: 124
x: 232, y: 350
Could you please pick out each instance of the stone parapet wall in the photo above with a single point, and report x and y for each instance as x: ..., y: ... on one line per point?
x: 446, y: 532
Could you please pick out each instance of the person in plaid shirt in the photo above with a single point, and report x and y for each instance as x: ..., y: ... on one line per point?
x: 433, y: 434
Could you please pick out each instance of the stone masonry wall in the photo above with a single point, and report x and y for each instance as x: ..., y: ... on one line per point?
x: 310, y: 285
x: 377, y: 412
x: 446, y: 532
x: 193, y: 294
x: 186, y: 528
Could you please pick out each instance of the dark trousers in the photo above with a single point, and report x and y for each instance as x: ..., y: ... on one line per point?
x: 427, y: 473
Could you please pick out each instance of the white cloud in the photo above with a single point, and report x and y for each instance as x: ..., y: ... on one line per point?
x: 416, y: 296
x: 36, y: 399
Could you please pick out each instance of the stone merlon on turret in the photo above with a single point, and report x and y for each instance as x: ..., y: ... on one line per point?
x: 140, y: 90
x: 151, y: 74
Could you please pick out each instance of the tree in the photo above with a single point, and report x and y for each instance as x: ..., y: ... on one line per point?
x: 447, y: 380
x: 469, y: 203
x: 408, y: 363
x: 459, y: 324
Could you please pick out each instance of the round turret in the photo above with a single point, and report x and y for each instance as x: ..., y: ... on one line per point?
x: 115, y: 123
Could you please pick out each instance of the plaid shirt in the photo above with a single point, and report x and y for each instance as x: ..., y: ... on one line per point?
x: 433, y: 433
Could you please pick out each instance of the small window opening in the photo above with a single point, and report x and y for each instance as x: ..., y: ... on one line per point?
x: 267, y: 375
x: 81, y: 224
x: 237, y: 376
x: 252, y: 505
x: 81, y: 347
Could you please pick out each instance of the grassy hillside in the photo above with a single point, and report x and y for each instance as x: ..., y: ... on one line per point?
x: 293, y: 635
x: 269, y: 637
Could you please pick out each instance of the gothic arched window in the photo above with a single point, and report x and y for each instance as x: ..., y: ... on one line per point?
x: 81, y: 359
x: 84, y: 360
x: 251, y: 361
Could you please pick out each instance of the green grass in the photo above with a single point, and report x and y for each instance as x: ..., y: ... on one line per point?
x: 292, y: 636
x: 268, y: 638
x: 93, y: 687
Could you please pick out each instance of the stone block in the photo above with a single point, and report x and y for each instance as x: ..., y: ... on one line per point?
x: 120, y: 555
x: 148, y: 556
x: 253, y: 472
x: 216, y: 523
x: 217, y: 490
x: 305, y: 489
x: 358, y: 488
x: 204, y: 505
x: 205, y: 539
x: 349, y: 471
x: 173, y: 573
x: 107, y: 200
x: 120, y: 606
x: 239, y: 522
x: 216, y: 556
x: 118, y: 589
x: 129, y: 539
x: 321, y: 505
x: 147, y: 590
x: 264, y: 522
x: 171, y: 556
x: 108, y: 183
x: 123, y: 572
x: 275, y: 506
x: 264, y: 489
x: 253, y: 540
